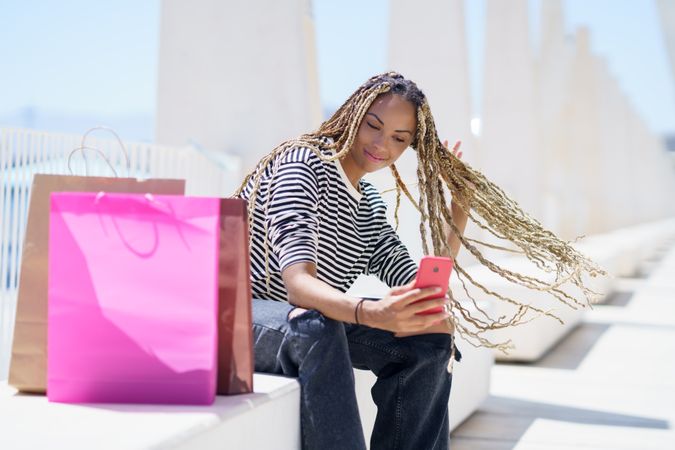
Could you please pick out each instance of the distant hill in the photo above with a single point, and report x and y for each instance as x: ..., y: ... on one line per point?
x: 670, y: 142
x: 130, y: 127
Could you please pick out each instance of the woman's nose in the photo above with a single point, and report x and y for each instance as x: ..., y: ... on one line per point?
x: 378, y: 141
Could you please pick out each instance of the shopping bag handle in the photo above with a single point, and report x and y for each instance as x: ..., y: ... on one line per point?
x: 98, y: 150
x: 150, y: 198
x: 83, y: 146
x: 165, y: 208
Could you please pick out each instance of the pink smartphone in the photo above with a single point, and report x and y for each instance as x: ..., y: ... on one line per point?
x: 434, y: 271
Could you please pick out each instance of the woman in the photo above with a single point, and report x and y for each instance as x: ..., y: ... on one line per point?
x: 316, y: 225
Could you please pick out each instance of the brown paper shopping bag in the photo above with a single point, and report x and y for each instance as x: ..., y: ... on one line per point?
x: 28, y: 365
x: 235, y: 336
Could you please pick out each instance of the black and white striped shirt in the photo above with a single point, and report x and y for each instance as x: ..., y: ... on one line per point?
x: 315, y: 214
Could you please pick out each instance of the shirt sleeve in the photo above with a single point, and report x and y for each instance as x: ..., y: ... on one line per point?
x: 391, y: 262
x: 292, y: 217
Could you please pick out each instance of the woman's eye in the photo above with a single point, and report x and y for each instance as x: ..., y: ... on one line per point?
x: 372, y: 126
x: 398, y: 139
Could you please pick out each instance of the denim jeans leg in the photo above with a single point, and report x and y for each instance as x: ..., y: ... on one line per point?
x: 314, y: 349
x: 412, y: 388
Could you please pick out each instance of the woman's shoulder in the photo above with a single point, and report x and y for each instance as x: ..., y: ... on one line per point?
x: 373, y: 197
x: 307, y: 153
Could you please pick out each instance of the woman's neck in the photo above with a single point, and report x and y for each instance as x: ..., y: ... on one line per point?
x: 353, y: 172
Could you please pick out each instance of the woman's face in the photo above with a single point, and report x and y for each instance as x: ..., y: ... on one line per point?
x: 387, y: 129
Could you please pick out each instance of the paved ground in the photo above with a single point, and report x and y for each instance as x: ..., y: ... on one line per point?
x: 610, y: 384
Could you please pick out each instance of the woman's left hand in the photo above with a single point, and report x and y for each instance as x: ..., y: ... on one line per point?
x: 458, y: 200
x: 460, y: 204
x: 455, y: 148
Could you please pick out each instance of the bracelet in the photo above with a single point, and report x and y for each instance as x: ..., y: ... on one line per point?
x: 356, y: 310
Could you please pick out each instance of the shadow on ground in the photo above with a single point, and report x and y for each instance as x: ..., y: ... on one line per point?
x: 502, y: 422
x: 569, y: 352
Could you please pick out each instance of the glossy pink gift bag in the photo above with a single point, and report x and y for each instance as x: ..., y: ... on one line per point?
x: 133, y: 298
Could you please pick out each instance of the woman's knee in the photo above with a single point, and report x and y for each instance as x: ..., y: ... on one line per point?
x: 311, y: 326
x: 436, y: 348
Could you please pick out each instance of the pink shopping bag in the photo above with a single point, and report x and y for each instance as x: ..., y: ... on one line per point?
x: 133, y: 298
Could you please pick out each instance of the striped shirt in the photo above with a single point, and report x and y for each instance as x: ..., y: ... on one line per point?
x: 316, y: 215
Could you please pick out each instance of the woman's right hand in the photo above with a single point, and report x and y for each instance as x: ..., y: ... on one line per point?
x: 397, y: 311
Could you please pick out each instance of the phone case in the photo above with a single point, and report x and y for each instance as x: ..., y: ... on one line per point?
x: 433, y: 271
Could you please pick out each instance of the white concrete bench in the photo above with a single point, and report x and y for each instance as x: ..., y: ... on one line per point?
x: 634, y: 244
x: 266, y: 419
x: 619, y: 253
x: 530, y: 340
x: 232, y: 420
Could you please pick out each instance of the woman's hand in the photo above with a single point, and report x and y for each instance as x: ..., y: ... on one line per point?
x: 396, y: 312
x: 459, y: 198
x: 455, y: 148
x: 460, y: 203
x: 295, y: 312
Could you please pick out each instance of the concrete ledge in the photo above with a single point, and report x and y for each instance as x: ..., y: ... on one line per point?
x: 268, y: 418
x: 620, y: 253
x: 533, y: 339
x: 632, y: 245
x: 470, y: 381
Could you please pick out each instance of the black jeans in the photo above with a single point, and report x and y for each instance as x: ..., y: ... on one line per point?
x: 411, y: 392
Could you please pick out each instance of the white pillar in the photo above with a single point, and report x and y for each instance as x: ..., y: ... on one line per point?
x: 616, y: 158
x: 553, y: 63
x: 237, y: 77
x: 581, y: 141
x: 552, y: 68
x: 667, y: 14
x: 509, y: 152
x: 427, y: 44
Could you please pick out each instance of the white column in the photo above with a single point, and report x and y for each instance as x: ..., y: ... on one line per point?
x: 616, y: 158
x: 581, y: 142
x: 509, y: 152
x: 427, y: 44
x: 552, y: 68
x: 237, y: 77
x: 667, y: 14
x: 553, y: 63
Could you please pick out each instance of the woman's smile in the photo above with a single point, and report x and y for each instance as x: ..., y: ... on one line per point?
x: 373, y: 157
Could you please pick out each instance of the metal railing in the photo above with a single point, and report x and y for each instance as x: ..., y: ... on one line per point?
x: 25, y: 152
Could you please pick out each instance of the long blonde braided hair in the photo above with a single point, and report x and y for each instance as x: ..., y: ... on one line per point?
x: 485, y: 204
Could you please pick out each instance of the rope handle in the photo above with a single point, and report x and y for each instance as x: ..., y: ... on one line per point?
x: 83, y: 146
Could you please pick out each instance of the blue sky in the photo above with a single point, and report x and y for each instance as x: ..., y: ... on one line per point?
x: 99, y: 59
x: 79, y: 56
